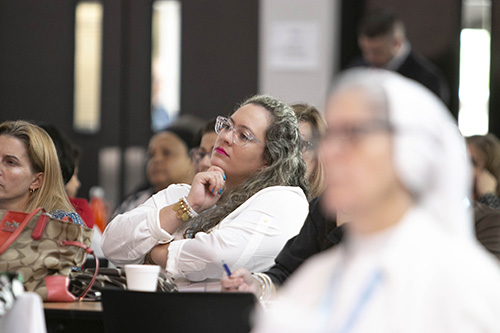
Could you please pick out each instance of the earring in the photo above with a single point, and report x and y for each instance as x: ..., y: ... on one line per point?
x: 32, y: 190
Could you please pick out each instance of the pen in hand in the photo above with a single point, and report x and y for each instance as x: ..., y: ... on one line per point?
x: 226, y: 268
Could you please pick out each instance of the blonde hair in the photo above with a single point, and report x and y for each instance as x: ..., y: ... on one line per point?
x: 309, y: 114
x: 43, y: 158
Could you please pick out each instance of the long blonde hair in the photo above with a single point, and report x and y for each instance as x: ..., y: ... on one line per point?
x: 285, y: 166
x: 309, y: 114
x: 43, y: 157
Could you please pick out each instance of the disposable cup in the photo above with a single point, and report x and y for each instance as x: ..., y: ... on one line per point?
x: 142, y: 277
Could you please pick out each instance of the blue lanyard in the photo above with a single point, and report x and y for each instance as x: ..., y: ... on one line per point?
x: 327, y: 304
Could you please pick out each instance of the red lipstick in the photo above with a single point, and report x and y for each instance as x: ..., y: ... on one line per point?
x: 221, y: 151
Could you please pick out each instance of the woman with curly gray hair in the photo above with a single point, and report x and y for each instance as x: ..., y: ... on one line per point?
x: 241, y: 210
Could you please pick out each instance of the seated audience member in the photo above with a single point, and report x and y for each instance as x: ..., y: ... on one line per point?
x: 241, y: 210
x: 383, y: 43
x: 81, y: 204
x: 30, y: 174
x: 69, y: 156
x: 318, y: 232
x: 201, y: 155
x: 485, y: 155
x: 168, y: 163
x: 312, y: 127
x: 408, y: 260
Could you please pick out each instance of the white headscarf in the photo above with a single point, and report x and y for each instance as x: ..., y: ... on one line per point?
x: 429, y: 152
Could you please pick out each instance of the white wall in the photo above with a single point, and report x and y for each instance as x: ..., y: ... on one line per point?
x: 298, y: 49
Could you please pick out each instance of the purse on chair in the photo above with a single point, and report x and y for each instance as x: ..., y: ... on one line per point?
x: 43, y: 249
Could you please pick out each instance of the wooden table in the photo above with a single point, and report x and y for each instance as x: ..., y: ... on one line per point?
x: 74, y: 317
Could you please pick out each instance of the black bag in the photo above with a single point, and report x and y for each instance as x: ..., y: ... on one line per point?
x: 110, y: 278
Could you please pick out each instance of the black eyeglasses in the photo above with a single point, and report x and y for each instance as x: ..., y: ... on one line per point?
x: 240, y: 135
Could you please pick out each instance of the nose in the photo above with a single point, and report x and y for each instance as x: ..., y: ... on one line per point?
x: 227, y: 136
x: 155, y: 157
x: 205, y: 162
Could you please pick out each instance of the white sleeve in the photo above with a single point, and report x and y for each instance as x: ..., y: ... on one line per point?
x: 130, y: 236
x: 249, y: 237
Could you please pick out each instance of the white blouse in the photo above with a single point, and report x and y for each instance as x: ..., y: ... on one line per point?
x: 412, y: 277
x: 251, y: 236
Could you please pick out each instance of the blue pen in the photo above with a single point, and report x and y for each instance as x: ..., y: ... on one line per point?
x: 226, y: 268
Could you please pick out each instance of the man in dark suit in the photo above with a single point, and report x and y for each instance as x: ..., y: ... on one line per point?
x: 383, y: 43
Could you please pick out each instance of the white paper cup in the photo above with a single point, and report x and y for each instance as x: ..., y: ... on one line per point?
x: 142, y: 277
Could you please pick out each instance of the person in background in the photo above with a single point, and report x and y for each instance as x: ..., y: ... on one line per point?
x: 169, y: 162
x: 241, y: 210
x: 485, y: 155
x: 383, y: 43
x: 312, y: 127
x: 408, y: 262
x: 81, y: 204
x: 30, y: 174
x: 202, y: 154
x: 69, y: 157
x: 74, y: 184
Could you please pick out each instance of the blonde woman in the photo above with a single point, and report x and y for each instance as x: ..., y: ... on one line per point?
x: 30, y: 175
x: 312, y: 127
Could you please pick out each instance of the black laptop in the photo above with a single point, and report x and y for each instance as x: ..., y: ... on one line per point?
x: 132, y: 311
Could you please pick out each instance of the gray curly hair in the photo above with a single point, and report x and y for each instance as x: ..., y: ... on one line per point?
x: 285, y: 166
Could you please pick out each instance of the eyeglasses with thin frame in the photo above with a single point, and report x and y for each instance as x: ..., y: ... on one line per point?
x: 240, y: 135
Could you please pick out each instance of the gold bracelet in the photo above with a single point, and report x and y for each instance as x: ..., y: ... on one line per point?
x: 184, y: 211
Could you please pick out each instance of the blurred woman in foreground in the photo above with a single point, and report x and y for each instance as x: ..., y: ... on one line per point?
x: 396, y: 162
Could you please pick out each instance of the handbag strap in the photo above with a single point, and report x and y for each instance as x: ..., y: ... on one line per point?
x: 89, y: 251
x: 40, y: 226
x: 42, y: 218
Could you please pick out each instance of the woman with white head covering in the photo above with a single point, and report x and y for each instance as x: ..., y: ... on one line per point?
x: 396, y: 163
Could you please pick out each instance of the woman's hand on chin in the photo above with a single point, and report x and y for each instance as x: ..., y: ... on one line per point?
x: 206, y: 189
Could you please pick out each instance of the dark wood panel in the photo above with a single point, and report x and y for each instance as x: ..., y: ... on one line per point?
x: 494, y: 125
x: 36, y: 60
x: 219, y: 55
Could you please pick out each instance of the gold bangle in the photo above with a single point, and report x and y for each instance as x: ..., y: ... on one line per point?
x: 183, y: 210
